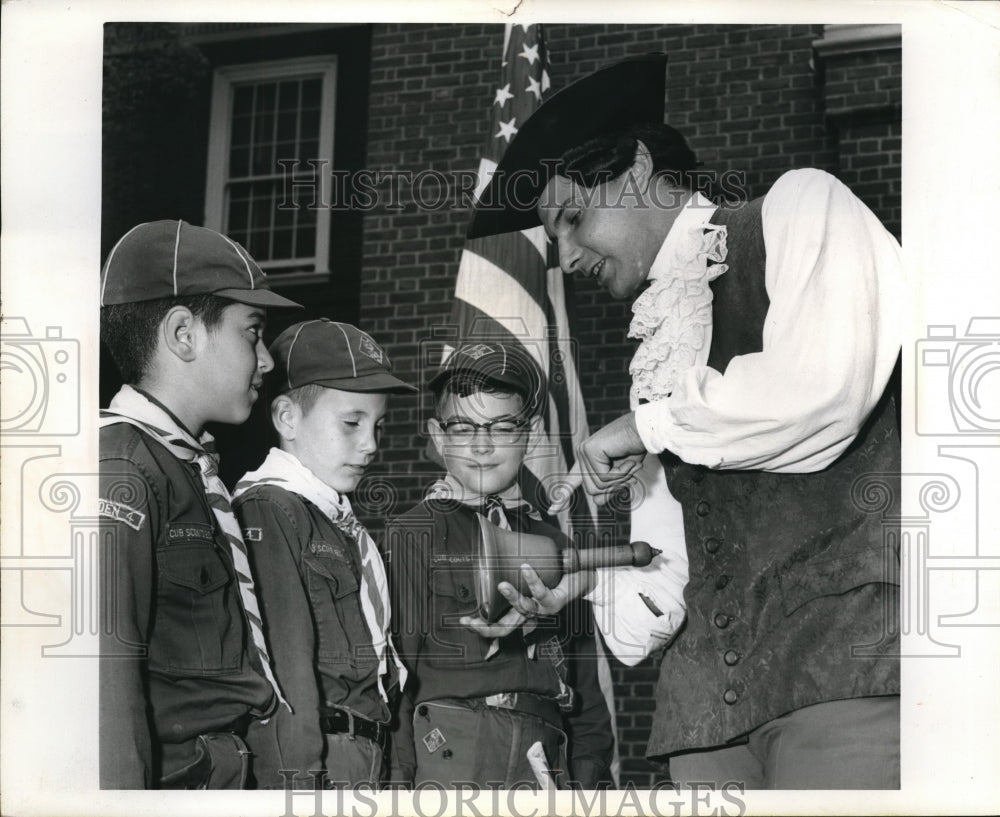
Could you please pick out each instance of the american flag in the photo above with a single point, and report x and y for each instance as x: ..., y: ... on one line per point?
x: 509, y: 286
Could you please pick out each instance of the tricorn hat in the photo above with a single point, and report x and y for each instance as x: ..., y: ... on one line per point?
x: 612, y: 99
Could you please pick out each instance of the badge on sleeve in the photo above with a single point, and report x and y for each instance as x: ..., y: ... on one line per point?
x: 121, y: 512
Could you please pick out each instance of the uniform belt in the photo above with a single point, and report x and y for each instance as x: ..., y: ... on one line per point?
x: 345, y: 722
x: 527, y: 702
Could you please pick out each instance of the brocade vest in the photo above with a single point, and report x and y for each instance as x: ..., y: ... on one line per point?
x: 793, y: 591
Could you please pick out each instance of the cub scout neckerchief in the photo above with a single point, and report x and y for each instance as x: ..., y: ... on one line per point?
x: 284, y: 470
x: 132, y: 407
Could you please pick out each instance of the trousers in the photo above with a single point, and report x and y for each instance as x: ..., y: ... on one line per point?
x: 849, y: 744
x: 482, y: 746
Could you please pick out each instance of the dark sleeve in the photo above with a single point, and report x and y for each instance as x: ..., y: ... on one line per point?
x: 588, y: 726
x: 129, y: 517
x: 289, y: 740
x: 409, y: 579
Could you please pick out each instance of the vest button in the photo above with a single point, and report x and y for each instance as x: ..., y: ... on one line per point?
x: 463, y: 591
x: 731, y: 658
x: 698, y: 475
x: 712, y: 544
x: 702, y: 508
x: 721, y: 621
x: 721, y: 582
x: 422, y: 711
x: 446, y: 754
x: 730, y: 696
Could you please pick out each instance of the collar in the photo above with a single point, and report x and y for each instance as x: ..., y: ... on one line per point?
x: 697, y: 210
x: 450, y: 488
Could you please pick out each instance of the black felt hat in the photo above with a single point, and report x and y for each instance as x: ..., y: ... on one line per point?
x: 615, y: 98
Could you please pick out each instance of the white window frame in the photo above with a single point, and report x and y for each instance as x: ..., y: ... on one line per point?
x: 220, y: 123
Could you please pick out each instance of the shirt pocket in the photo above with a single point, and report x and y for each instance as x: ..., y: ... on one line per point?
x: 342, y: 638
x: 453, y: 595
x: 196, y: 626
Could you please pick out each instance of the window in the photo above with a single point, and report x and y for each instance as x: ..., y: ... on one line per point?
x: 273, y: 122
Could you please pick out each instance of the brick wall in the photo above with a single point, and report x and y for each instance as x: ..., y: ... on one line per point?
x: 748, y: 98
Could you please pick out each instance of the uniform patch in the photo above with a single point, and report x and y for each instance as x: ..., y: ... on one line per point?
x: 189, y: 531
x: 121, y: 512
x: 434, y: 740
x: 477, y: 351
x: 452, y: 558
x: 334, y: 549
x: 368, y: 347
x: 253, y: 534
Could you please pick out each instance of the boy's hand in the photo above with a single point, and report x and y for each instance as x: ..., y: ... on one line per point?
x: 543, y: 601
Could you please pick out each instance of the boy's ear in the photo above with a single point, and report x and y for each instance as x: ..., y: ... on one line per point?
x: 179, y: 331
x: 285, y: 415
x: 437, y: 437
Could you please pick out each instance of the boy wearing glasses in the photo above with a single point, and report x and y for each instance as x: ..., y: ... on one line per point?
x: 474, y: 706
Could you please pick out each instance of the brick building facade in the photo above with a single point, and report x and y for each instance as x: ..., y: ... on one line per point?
x: 759, y: 100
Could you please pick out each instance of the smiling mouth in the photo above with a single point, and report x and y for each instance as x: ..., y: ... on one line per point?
x: 595, y: 270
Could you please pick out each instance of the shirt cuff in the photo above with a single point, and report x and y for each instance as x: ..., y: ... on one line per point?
x: 649, y: 420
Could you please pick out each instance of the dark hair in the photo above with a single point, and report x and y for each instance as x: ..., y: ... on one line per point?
x: 606, y: 157
x: 463, y: 384
x: 130, y: 330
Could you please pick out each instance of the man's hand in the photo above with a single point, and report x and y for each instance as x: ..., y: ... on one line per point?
x: 543, y: 601
x: 606, y: 461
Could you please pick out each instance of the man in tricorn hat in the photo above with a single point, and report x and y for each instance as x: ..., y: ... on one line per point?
x: 769, y: 337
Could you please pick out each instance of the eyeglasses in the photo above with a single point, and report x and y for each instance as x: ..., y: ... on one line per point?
x: 501, y: 430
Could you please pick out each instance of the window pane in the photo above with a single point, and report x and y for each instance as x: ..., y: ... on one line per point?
x: 239, y: 162
x: 282, y: 244
x: 311, y: 89
x: 310, y: 123
x: 288, y: 95
x: 241, y: 130
x: 242, y: 100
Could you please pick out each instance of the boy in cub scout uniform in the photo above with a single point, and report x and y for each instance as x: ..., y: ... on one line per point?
x: 184, y: 662
x: 321, y: 579
x: 475, y: 706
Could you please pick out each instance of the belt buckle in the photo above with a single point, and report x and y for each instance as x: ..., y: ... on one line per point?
x: 502, y: 700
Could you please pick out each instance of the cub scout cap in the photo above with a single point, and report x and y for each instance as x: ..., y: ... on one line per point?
x: 503, y: 364
x: 171, y: 259
x: 331, y: 354
x: 611, y: 100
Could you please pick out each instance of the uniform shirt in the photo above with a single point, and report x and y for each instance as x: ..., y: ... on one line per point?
x: 429, y: 554
x: 308, y: 574
x: 176, y: 663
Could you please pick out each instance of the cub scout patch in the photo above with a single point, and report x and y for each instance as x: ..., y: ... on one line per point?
x: 121, y: 512
x: 188, y: 531
x: 434, y: 740
x: 368, y: 347
x: 477, y: 351
x: 333, y: 549
x: 253, y: 534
